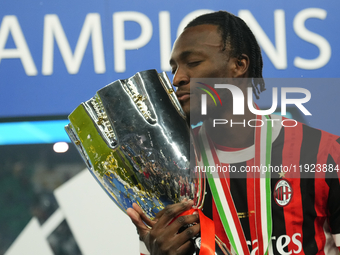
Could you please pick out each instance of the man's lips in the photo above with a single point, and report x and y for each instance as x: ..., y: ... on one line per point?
x: 182, y: 95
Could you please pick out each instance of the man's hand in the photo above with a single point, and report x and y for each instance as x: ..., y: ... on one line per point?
x: 161, y: 238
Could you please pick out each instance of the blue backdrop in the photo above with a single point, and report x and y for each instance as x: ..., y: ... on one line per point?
x: 56, y: 54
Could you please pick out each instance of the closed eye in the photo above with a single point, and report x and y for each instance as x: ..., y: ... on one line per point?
x: 173, y: 71
x: 194, y: 63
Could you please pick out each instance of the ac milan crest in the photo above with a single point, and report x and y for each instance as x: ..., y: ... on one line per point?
x: 283, y: 193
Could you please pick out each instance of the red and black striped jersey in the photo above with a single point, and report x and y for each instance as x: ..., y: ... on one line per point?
x: 305, y: 200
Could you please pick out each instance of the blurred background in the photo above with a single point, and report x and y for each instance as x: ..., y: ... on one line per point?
x: 56, y: 54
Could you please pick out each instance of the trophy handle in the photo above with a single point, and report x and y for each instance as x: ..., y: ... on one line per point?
x: 163, y: 77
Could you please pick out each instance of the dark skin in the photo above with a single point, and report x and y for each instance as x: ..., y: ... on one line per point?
x: 197, y: 53
x: 162, y: 238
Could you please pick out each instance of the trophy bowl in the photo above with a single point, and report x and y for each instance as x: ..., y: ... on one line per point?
x: 134, y: 139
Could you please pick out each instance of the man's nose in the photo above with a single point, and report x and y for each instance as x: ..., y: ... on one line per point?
x: 180, y: 78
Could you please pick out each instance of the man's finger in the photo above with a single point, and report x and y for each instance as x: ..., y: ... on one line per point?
x: 171, y: 211
x: 142, y: 215
x: 159, y: 214
x: 185, y: 248
x: 183, y: 221
x: 187, y: 234
x: 137, y: 220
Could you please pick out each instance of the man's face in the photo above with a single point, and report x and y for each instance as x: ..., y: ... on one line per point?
x: 197, y: 53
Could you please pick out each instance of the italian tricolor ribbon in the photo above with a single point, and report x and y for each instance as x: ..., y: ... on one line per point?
x: 262, y: 192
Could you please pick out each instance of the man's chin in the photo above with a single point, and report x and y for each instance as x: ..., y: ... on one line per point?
x: 193, y: 113
x: 193, y: 119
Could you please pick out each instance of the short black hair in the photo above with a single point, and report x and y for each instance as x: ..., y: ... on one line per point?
x: 239, y: 38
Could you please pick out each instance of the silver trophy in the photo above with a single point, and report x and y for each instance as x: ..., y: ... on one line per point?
x: 134, y: 139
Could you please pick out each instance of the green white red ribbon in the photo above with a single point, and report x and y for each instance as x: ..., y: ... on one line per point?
x: 262, y: 192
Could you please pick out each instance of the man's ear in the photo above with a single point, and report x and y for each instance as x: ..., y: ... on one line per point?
x: 242, y: 66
